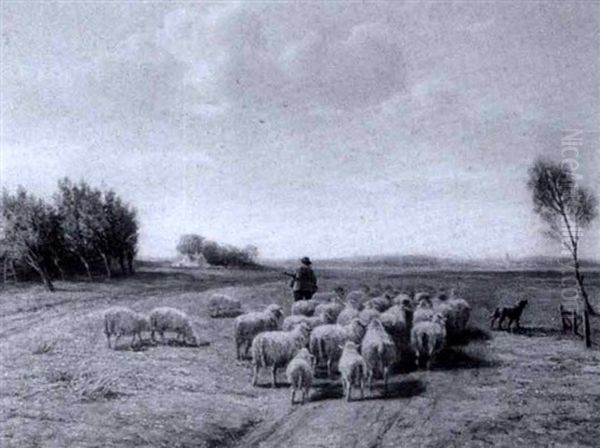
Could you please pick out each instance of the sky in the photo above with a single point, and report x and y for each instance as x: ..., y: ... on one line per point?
x: 306, y: 128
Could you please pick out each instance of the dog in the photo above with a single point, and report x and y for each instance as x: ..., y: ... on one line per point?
x: 512, y: 313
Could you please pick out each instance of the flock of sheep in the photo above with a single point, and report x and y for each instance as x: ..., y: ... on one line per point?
x: 359, y: 334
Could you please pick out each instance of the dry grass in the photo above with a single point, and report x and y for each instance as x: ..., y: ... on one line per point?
x: 61, y: 385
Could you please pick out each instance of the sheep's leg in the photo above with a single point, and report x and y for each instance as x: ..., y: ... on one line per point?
x: 293, y: 394
x: 362, y: 389
x: 237, y: 350
x: 385, y: 379
x: 305, y: 395
x: 152, y: 336
x: 349, y: 391
x: 108, y: 340
x: 274, y: 377
x: 162, y: 337
x: 132, y: 344
x: 116, y: 340
x: 255, y: 375
x: 329, y: 368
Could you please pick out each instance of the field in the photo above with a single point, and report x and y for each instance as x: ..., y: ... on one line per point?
x: 62, y: 387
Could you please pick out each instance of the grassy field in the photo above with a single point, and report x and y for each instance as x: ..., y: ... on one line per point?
x: 62, y: 387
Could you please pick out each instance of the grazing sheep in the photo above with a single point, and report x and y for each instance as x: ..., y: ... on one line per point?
x: 379, y: 351
x: 398, y: 321
x: 120, y: 321
x: 304, y: 307
x: 277, y: 348
x: 368, y: 314
x: 299, y: 374
x: 164, y: 319
x: 358, y: 297
x: 326, y: 341
x: 338, y: 293
x: 347, y: 314
x: 331, y: 310
x: 512, y: 313
x: 428, y: 338
x: 248, y: 325
x: 353, y: 370
x: 221, y: 305
x: 290, y: 322
x: 380, y: 303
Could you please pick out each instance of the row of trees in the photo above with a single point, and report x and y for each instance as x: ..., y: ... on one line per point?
x: 194, y: 246
x: 83, y: 229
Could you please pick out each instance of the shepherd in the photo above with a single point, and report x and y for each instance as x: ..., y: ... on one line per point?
x: 304, y: 281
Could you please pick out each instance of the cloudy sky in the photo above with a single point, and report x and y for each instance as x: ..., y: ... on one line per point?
x: 325, y: 129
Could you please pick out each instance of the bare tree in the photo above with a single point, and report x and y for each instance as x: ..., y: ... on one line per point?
x: 567, y: 209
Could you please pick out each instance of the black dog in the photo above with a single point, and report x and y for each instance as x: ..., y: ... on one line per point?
x: 512, y: 313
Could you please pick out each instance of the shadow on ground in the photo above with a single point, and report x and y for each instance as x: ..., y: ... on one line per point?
x: 328, y: 390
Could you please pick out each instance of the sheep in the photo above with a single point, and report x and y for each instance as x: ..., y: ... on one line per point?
x: 171, y: 319
x: 331, y: 310
x: 423, y: 311
x: 358, y: 297
x: 353, y: 369
x: 347, y: 314
x: 368, y: 314
x: 276, y: 349
x: 221, y: 305
x: 338, y: 293
x: 248, y: 325
x: 304, y: 307
x: 398, y: 321
x: 122, y: 321
x: 326, y: 341
x: 457, y: 312
x: 379, y: 351
x: 402, y: 299
x: 462, y: 312
x: 290, y: 322
x: 380, y: 303
x: 512, y: 313
x: 299, y: 374
x: 428, y: 338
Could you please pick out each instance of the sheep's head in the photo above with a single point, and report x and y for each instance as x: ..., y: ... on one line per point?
x: 305, y: 354
x: 367, y: 316
x: 522, y: 303
x: 328, y: 315
x: 376, y: 324
x: 439, y: 318
x: 340, y: 291
x: 349, y: 346
x: 276, y: 311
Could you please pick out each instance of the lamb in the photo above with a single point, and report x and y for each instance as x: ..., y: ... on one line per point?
x: 347, y: 314
x: 428, y: 338
x: 353, y: 370
x: 171, y: 319
x: 304, y: 307
x: 299, y: 374
x: 379, y: 351
x: 331, y: 310
x: 512, y: 313
x: 248, y: 325
x: 121, y: 321
x: 276, y: 349
x: 221, y: 305
x: 326, y: 341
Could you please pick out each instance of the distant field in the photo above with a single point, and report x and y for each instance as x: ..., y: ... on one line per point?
x: 62, y: 387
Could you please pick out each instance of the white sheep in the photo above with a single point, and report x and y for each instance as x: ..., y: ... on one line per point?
x: 398, y: 321
x: 290, y: 322
x: 379, y: 351
x: 353, y: 369
x: 121, y: 321
x: 248, y: 325
x: 276, y: 349
x: 326, y: 341
x: 428, y: 338
x: 299, y: 374
x: 221, y: 305
x: 456, y: 311
x: 359, y: 296
x: 165, y: 319
x: 347, y: 314
x: 304, y: 307
x: 331, y: 309
x: 368, y: 314
x: 423, y: 312
x: 338, y: 293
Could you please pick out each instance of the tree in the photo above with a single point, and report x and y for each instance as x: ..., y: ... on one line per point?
x: 190, y: 245
x: 567, y: 209
x: 31, y: 230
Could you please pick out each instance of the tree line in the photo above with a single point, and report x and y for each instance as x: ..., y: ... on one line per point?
x: 83, y: 230
x: 214, y: 253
